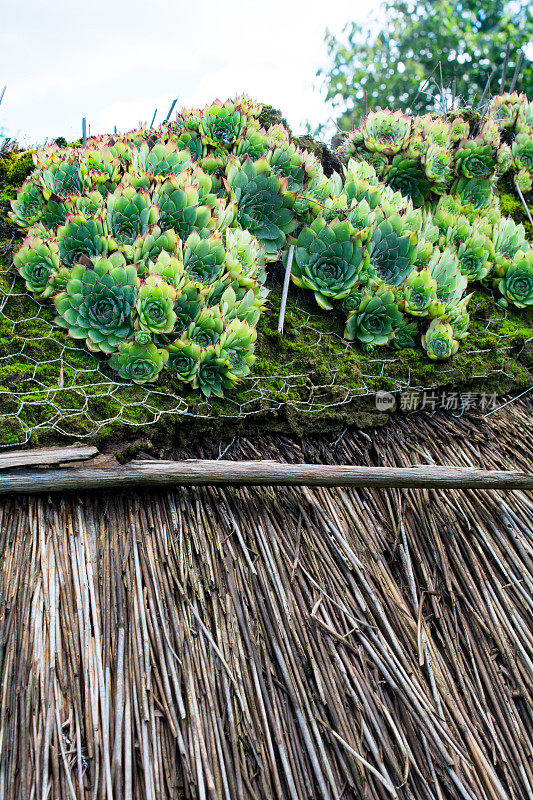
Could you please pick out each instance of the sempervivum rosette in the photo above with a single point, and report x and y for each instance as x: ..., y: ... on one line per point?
x: 222, y: 124
x: 264, y: 203
x: 98, y: 302
x: 439, y: 342
x: 236, y: 346
x: 508, y: 239
x: 405, y: 334
x: 27, y: 208
x: 129, y: 214
x: 386, y: 131
x: 476, y: 159
x: 374, y: 321
x: 155, y: 305
x: 445, y: 269
x: 522, y: 151
x: 179, y: 206
x: 473, y: 193
x: 393, y: 250
x: 517, y: 284
x: 138, y: 361
x: 62, y: 179
x: 159, y: 161
x: 418, y: 295
x: 405, y: 175
x: 328, y: 260
x: 37, y: 262
x: 81, y: 236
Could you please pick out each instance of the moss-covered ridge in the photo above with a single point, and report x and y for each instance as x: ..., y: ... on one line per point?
x: 306, y: 379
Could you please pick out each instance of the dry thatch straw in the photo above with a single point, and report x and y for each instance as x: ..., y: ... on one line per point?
x: 276, y: 643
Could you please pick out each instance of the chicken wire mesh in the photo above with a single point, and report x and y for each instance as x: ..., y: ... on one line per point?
x: 51, y: 384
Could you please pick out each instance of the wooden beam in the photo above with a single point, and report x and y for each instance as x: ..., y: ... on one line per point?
x: 258, y: 473
x: 47, y: 456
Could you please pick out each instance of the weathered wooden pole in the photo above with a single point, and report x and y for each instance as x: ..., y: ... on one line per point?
x: 254, y: 473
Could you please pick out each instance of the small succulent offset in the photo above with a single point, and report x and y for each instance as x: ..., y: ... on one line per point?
x: 517, y: 284
x: 439, y: 342
x: 138, y: 361
x: 373, y: 323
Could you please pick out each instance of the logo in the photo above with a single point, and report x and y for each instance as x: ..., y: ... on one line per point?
x: 385, y: 401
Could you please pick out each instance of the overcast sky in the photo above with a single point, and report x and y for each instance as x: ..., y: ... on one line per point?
x: 115, y: 61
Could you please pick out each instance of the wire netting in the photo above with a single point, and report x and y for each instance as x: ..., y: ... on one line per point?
x: 51, y: 383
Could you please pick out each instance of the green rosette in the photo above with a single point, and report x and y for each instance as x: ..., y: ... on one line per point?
x: 439, y: 342
x: 328, y: 259
x: 98, y: 302
x: 140, y: 363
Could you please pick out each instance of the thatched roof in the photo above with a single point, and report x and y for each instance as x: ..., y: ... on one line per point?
x: 276, y: 643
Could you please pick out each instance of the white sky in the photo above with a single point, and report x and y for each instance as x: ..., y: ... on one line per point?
x: 115, y: 61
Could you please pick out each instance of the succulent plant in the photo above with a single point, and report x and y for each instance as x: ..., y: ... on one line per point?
x: 203, y: 259
x: 505, y: 109
x: 81, y: 237
x: 459, y: 129
x: 153, y: 244
x: 214, y: 373
x: 459, y: 319
x: 288, y: 162
x: 62, y: 179
x: 55, y: 212
x: 386, y: 131
x: 149, y: 247
x: 155, y: 305
x: 184, y: 359
x: 206, y: 328
x: 438, y: 341
x: 129, y: 214
x: 374, y: 321
x: 473, y: 192
x: 160, y: 161
x: 438, y: 166
x: 352, y: 301
x: 405, y: 334
x: 328, y: 260
x: 522, y: 151
x: 169, y: 266
x: 524, y: 180
x: 140, y: 363
x: 475, y: 256
x: 236, y: 346
x: 98, y: 302
x: 244, y: 259
x: 451, y: 283
x: 406, y: 176
x: 36, y: 262
x: 179, y: 208
x: 517, y: 284
x: 264, y: 204
x: 100, y: 168
x: 27, y: 208
x: 508, y: 239
x: 475, y: 159
x: 222, y: 124
x: 419, y: 294
x: 392, y: 250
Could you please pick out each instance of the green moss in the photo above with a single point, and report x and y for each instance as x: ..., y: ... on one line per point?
x: 272, y: 116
